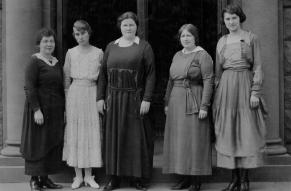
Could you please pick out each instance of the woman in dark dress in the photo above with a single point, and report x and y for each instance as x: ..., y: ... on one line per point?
x: 43, y: 120
x: 127, y: 79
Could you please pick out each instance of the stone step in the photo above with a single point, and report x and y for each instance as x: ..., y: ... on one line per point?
x: 277, y: 168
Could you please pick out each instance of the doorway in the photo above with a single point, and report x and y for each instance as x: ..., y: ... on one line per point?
x: 159, y: 24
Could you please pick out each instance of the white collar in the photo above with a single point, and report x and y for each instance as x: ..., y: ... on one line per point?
x: 136, y: 40
x: 196, y: 49
x: 41, y: 57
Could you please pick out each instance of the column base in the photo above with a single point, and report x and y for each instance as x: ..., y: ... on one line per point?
x: 275, y: 147
x: 11, y: 151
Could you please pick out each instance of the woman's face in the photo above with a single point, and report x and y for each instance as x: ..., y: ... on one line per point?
x: 82, y: 37
x: 128, y: 28
x: 187, y: 39
x: 232, y: 22
x: 47, y: 45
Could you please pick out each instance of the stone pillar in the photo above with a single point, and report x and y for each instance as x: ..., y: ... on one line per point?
x: 262, y: 19
x: 21, y: 20
x: 142, y: 13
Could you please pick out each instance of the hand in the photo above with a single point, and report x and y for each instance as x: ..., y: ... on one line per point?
x: 38, y: 117
x: 144, y: 107
x: 101, y: 106
x: 254, y: 101
x: 202, y: 114
x: 166, y: 110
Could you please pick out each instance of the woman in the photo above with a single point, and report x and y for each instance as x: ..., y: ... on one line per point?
x: 43, y: 120
x: 127, y: 80
x: 238, y: 109
x: 187, y: 147
x: 82, y: 146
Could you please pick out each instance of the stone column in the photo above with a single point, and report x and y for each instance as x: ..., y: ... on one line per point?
x: 262, y: 19
x: 21, y: 20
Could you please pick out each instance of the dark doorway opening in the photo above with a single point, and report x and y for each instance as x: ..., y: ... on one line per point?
x: 159, y: 23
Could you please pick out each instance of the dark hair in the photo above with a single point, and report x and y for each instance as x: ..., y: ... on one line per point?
x: 191, y: 29
x: 234, y: 9
x: 82, y: 25
x: 127, y: 15
x: 44, y: 32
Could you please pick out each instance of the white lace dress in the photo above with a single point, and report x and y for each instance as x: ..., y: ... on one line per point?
x: 82, y: 141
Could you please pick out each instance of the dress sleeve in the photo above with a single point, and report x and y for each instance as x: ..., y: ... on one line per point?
x: 168, y: 91
x: 218, y: 63
x: 102, y: 79
x: 67, y: 71
x: 206, y: 65
x: 100, y: 59
x: 31, y: 84
x: 150, y: 75
x: 257, y: 67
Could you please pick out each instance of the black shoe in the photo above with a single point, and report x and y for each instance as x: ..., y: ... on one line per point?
x: 35, y: 184
x: 245, y: 183
x: 111, y: 186
x: 195, y: 187
x: 245, y: 186
x: 183, y: 184
x: 232, y: 186
x: 138, y: 184
x: 45, y: 182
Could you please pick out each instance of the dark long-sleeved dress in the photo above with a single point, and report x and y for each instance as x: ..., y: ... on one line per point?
x: 187, y: 145
x: 127, y: 77
x: 41, y: 145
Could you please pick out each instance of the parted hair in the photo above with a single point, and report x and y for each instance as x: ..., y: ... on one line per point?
x: 191, y: 29
x: 127, y: 15
x: 82, y: 25
x: 234, y: 9
x: 44, y: 32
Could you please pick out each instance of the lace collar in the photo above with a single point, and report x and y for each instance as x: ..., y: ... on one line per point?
x: 136, y: 40
x: 52, y: 63
x: 196, y: 49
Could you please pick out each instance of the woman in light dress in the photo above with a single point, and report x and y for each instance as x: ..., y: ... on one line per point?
x: 238, y: 105
x: 82, y: 145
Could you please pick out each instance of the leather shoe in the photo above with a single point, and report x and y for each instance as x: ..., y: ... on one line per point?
x: 45, y: 182
x: 111, y: 186
x: 35, y: 184
x: 138, y: 185
x: 183, y: 184
x: 195, y: 187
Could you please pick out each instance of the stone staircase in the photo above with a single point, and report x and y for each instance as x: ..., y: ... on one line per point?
x: 277, y: 168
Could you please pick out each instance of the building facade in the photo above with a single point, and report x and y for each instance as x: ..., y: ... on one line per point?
x: 159, y: 22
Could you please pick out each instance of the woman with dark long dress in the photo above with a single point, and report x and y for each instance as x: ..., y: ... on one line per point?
x: 187, y: 145
x: 43, y: 120
x: 126, y: 81
x: 238, y: 108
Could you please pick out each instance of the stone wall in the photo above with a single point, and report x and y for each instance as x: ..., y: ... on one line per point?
x: 287, y: 75
x: 1, y: 108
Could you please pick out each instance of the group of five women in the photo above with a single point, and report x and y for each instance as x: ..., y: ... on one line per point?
x: 125, y: 77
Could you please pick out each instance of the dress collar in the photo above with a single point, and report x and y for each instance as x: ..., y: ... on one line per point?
x: 52, y: 63
x: 136, y: 40
x: 196, y: 49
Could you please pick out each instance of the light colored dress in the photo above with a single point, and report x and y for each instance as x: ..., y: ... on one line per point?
x: 82, y: 142
x: 187, y: 143
x: 240, y: 130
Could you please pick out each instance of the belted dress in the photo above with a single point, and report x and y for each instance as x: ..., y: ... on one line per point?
x: 240, y: 130
x: 187, y: 143
x: 127, y: 77
x: 41, y: 145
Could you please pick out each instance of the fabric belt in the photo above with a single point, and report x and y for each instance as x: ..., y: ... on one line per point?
x: 191, y: 102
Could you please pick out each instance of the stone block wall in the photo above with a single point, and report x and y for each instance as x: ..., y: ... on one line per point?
x: 287, y: 75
